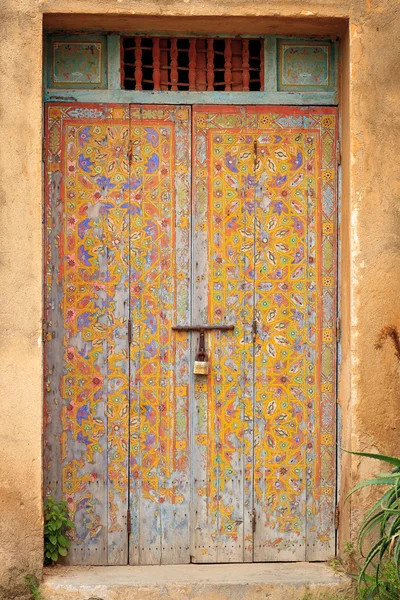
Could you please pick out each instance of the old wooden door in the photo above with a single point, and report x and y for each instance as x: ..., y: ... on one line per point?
x: 264, y: 247
x: 158, y: 465
x: 117, y: 249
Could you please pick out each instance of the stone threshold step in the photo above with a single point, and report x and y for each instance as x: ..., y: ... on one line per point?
x: 261, y: 581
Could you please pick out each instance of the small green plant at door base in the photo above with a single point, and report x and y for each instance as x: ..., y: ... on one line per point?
x: 56, y: 524
x: 379, y: 574
x: 33, y: 586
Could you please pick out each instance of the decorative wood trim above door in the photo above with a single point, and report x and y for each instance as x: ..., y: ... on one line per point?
x: 294, y: 71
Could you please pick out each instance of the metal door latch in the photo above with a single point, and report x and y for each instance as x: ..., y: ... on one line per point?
x: 201, y: 362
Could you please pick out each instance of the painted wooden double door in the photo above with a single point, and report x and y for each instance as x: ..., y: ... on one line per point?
x: 157, y: 216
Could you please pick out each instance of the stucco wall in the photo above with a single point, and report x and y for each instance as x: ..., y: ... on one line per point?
x: 370, y: 379
x: 20, y: 293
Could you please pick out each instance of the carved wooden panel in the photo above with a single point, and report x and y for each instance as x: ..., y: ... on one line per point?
x: 305, y: 65
x: 77, y: 61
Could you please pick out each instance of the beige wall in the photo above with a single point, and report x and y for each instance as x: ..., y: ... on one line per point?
x: 369, y: 388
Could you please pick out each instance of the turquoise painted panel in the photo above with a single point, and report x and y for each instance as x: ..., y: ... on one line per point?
x: 77, y: 62
x: 304, y: 98
x: 305, y: 65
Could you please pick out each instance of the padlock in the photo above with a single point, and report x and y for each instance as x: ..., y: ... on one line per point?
x: 201, y: 365
x: 201, y: 360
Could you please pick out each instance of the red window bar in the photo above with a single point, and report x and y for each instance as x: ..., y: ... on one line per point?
x: 192, y: 64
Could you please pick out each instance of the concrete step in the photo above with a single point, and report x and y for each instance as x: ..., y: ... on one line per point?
x: 266, y: 581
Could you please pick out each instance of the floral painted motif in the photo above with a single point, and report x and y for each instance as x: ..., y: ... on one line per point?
x: 266, y: 215
x: 304, y: 65
x: 159, y: 299
x: 117, y: 248
x: 77, y: 63
x: 87, y: 256
x: 255, y: 248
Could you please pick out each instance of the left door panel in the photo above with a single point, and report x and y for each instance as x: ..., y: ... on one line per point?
x: 85, y: 320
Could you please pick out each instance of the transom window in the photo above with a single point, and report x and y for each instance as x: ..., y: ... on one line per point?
x: 192, y: 64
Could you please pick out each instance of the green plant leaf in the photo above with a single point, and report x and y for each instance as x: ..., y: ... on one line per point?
x: 63, y: 541
x: 392, y: 460
x: 387, y: 496
x: 368, y: 560
x: 367, y: 526
x: 392, y: 474
x: 370, y: 482
x: 56, y: 522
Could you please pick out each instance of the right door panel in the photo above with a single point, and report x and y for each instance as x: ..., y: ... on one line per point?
x: 267, y: 410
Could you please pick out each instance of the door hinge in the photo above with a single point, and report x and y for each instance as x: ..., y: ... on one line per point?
x: 337, y: 517
x: 129, y: 332
x: 338, y: 329
x: 253, y: 520
x: 129, y: 522
x: 47, y: 335
x: 338, y: 153
x: 130, y: 151
x: 254, y: 330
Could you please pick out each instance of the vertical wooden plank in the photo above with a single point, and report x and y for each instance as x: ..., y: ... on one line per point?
x: 136, y: 260
x: 280, y: 409
x: 228, y: 64
x: 114, y: 43
x: 210, y: 65
x: 175, y: 510
x: 116, y: 238
x: 293, y: 508
x: 223, y: 402
x: 270, y: 64
x: 82, y: 447
x: 159, y: 361
x: 192, y: 64
x: 174, y: 64
x: 156, y: 63
x: 201, y: 65
x: 203, y: 513
x: 321, y: 450
x: 138, y: 63
x: 145, y: 350
x: 164, y: 61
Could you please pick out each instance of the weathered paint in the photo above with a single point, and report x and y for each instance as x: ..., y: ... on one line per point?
x: 370, y: 379
x: 278, y: 89
x: 77, y: 62
x: 304, y: 64
x: 264, y: 421
x: 118, y: 219
x: 149, y: 97
x: 159, y: 359
x: 117, y: 211
x: 86, y: 312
